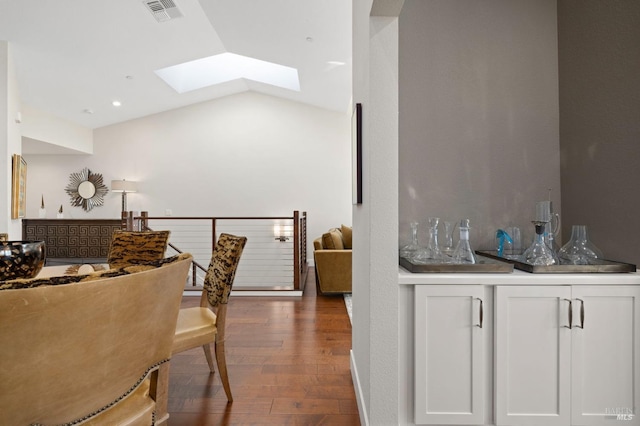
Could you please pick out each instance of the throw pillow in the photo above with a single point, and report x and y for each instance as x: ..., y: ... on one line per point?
x: 346, y: 236
x: 332, y: 240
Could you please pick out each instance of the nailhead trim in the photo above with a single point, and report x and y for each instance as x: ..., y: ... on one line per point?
x: 111, y: 404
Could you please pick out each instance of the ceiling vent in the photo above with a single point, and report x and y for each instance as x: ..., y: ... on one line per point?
x: 163, y: 10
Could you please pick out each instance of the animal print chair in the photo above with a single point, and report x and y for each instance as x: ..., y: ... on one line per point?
x: 135, y: 247
x: 201, y: 326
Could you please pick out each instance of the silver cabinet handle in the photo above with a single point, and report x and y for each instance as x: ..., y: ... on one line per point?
x: 570, y: 315
x: 581, y: 314
x: 481, y: 313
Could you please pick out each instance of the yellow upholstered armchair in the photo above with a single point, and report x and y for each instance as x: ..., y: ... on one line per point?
x: 332, y: 257
x: 90, y: 349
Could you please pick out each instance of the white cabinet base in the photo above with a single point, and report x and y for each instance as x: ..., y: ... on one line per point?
x: 554, y: 349
x: 532, y: 356
x: 449, y: 367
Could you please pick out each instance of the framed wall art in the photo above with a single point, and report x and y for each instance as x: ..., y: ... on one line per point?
x: 18, y: 187
x: 356, y: 154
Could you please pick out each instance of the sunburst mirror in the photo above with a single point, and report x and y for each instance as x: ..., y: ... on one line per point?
x: 86, y: 189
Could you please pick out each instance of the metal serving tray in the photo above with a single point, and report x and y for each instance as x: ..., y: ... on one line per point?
x: 603, y: 266
x: 483, y: 265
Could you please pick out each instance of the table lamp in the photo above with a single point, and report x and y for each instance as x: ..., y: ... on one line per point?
x: 123, y: 186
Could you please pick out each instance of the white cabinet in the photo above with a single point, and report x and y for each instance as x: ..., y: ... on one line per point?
x: 532, y: 355
x: 450, y: 339
x: 567, y: 355
x: 605, y: 355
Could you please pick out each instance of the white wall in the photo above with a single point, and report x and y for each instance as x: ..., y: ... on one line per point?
x: 360, y: 332
x: 44, y: 133
x: 375, y: 290
x: 243, y: 155
x: 9, y: 137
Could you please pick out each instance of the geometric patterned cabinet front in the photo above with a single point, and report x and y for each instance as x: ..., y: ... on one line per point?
x: 78, y: 240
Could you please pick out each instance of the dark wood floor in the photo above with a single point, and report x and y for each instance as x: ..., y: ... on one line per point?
x: 288, y: 362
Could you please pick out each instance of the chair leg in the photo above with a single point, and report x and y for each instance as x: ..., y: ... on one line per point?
x: 207, y: 354
x: 222, y: 368
x: 160, y: 393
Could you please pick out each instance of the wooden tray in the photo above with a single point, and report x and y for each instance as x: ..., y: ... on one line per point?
x: 604, y: 266
x: 484, y: 265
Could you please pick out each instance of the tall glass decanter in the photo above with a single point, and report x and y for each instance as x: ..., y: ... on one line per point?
x: 463, y: 252
x: 408, y: 250
x: 579, y: 250
x: 539, y: 253
x: 447, y: 245
x: 431, y: 253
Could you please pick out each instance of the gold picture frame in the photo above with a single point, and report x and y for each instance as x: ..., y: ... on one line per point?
x: 18, y: 187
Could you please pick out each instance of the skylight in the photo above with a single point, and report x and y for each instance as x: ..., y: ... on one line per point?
x: 227, y: 67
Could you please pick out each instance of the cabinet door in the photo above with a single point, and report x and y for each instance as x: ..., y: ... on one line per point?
x: 449, y: 381
x: 605, y: 354
x: 532, y: 355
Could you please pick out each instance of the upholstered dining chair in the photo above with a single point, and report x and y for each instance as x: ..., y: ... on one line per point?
x: 201, y: 326
x: 136, y: 247
x: 91, y: 349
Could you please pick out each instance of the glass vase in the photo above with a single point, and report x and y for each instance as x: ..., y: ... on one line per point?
x: 408, y: 250
x: 539, y: 253
x: 431, y: 253
x: 463, y: 252
x: 579, y: 250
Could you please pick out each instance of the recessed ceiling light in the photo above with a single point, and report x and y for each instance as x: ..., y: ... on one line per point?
x: 309, y: 39
x: 227, y: 67
x: 87, y: 111
x: 116, y: 103
x: 336, y: 63
x: 128, y: 77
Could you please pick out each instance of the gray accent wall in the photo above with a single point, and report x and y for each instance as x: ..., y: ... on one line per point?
x: 478, y: 114
x: 599, y: 51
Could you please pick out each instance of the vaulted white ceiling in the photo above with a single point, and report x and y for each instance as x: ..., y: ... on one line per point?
x: 73, y: 58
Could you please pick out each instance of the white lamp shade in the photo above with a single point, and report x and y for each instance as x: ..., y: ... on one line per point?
x: 123, y: 186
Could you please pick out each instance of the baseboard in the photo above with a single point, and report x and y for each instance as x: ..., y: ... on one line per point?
x: 362, y: 408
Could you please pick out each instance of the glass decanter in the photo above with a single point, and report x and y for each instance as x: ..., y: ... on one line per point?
x: 431, y: 253
x: 539, y: 253
x: 408, y: 250
x: 579, y: 250
x: 544, y: 213
x: 447, y: 245
x: 463, y: 252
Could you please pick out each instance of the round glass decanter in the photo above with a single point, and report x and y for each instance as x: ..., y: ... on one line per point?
x: 431, y: 253
x: 463, y: 252
x: 539, y: 253
x: 579, y: 250
x: 409, y: 250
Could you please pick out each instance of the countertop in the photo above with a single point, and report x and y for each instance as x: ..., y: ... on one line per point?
x: 517, y: 277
